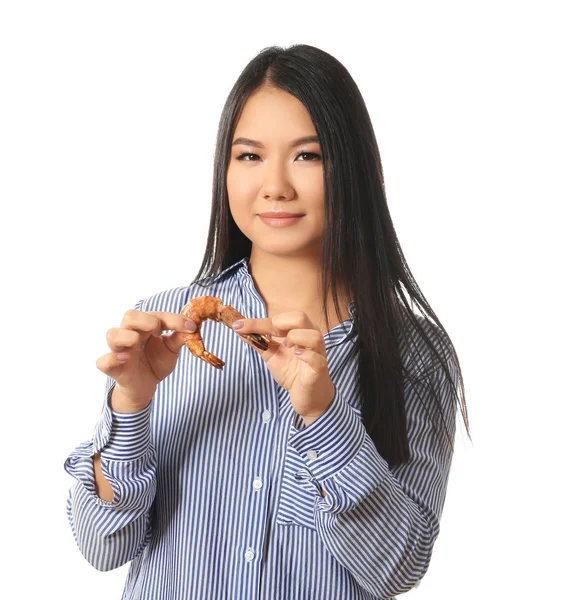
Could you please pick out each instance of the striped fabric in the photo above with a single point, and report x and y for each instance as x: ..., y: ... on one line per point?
x: 218, y: 487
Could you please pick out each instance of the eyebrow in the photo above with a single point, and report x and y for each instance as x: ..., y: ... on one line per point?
x: 303, y: 140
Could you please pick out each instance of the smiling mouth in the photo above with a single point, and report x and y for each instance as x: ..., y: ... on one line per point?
x: 278, y: 221
x: 280, y: 215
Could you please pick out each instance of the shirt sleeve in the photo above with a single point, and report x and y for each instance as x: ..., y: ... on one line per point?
x: 110, y: 534
x: 379, y: 523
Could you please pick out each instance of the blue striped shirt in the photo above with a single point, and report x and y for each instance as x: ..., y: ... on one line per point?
x: 218, y: 486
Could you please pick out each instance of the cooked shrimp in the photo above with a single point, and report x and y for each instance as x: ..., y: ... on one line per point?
x: 210, y: 307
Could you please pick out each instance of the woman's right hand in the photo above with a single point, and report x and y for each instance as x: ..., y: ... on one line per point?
x: 141, y: 357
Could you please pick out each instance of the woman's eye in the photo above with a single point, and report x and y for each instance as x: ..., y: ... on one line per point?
x: 249, y: 154
x: 309, y: 154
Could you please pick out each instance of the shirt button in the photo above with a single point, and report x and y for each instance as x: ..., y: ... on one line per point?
x: 249, y: 555
x: 311, y: 454
x: 266, y: 415
x: 257, y: 483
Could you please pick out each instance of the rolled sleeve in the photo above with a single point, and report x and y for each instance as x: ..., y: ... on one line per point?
x: 123, y: 441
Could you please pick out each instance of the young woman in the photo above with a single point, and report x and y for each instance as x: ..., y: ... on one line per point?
x: 315, y: 468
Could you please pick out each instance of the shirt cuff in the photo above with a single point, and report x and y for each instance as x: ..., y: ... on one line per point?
x: 332, y: 441
x: 122, y: 436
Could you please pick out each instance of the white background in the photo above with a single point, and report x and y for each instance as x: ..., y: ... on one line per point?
x: 108, y: 117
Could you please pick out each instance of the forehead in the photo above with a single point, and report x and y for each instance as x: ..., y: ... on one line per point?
x: 270, y: 113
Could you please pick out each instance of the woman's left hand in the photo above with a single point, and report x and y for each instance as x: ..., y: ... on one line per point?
x: 305, y: 375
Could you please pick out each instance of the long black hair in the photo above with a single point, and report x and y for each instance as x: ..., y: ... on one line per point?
x: 361, y: 251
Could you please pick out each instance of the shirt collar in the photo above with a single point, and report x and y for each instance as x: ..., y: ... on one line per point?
x: 231, y: 269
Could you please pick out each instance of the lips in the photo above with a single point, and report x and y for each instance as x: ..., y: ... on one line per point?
x: 280, y: 215
x: 280, y: 219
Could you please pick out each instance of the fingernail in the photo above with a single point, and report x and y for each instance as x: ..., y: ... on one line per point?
x: 189, y: 326
x: 299, y: 350
x: 238, y: 325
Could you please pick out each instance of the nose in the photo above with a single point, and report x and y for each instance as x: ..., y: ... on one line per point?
x: 276, y: 185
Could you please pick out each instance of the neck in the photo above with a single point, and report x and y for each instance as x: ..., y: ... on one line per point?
x: 293, y: 283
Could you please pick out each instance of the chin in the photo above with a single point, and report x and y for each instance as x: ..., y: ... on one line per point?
x: 286, y: 248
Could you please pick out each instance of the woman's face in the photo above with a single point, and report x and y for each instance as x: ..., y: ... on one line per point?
x: 269, y: 171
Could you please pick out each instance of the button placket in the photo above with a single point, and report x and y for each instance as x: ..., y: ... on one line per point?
x: 260, y: 479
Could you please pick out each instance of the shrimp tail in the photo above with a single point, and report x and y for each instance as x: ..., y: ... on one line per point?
x: 229, y: 315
